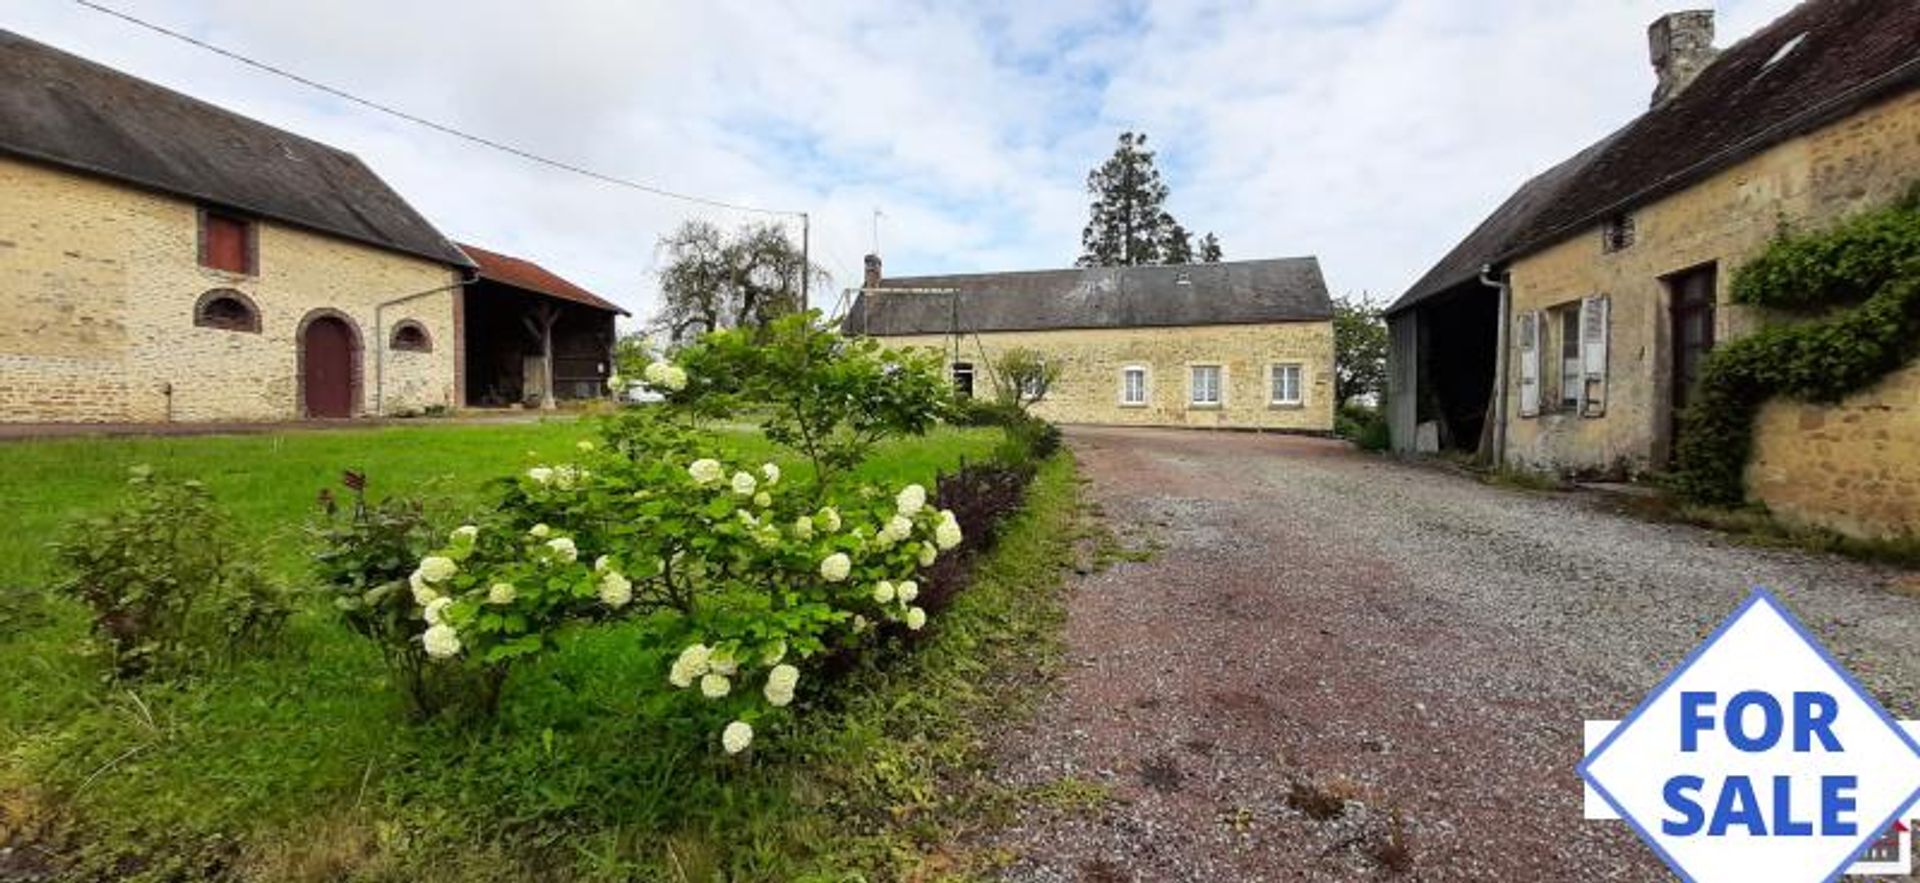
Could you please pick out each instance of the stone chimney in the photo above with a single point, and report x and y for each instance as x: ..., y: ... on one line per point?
x: 1681, y: 46
x: 872, y: 279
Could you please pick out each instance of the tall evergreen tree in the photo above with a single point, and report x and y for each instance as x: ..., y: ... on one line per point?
x: 1176, y: 246
x: 1128, y: 219
x: 1210, y: 249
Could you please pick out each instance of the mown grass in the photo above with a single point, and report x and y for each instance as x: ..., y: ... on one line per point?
x: 296, y: 766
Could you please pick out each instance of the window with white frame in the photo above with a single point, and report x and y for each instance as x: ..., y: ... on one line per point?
x: 1133, y: 385
x: 1205, y: 386
x: 1286, y: 384
x: 1033, y: 386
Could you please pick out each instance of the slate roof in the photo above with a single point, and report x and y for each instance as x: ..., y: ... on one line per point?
x: 1818, y: 63
x: 528, y: 276
x: 1228, y: 293
x: 67, y: 111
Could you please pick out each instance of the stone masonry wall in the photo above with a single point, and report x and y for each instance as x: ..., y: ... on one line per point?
x: 98, y: 283
x: 1856, y: 164
x: 1091, y: 360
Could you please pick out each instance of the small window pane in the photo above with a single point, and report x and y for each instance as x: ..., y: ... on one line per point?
x: 1206, y: 384
x: 1286, y: 384
x: 1134, y: 386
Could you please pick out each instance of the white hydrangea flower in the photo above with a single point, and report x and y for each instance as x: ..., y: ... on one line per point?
x: 501, y: 594
x: 722, y: 661
x: 780, y: 684
x: 763, y: 499
x: 541, y: 475
x: 437, y: 568
x: 947, y: 534
x: 615, y: 590
x: 835, y: 567
x: 691, y: 664
x: 916, y: 619
x: 883, y: 592
x: 441, y: 641
x: 564, y: 477
x: 859, y: 623
x: 736, y: 737
x: 705, y: 470
x: 423, y: 594
x: 911, y: 499
x: 564, y: 547
x: 803, y: 527
x: 584, y: 445
x: 436, y: 610
x: 465, y: 533
x: 928, y: 554
x: 907, y: 590
x: 665, y: 375
x: 772, y: 473
x: 601, y: 563
x: 744, y: 483
x: 829, y: 519
x: 539, y: 531
x: 898, y: 528
x: 714, y: 685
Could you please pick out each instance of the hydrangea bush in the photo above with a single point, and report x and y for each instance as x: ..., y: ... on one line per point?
x: 738, y: 579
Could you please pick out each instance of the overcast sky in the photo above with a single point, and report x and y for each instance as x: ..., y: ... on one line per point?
x: 1371, y: 133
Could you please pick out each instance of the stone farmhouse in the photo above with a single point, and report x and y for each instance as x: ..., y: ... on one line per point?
x: 162, y: 259
x: 1564, y: 332
x: 1240, y: 344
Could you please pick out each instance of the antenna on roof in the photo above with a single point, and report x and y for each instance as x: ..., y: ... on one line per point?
x: 877, y: 215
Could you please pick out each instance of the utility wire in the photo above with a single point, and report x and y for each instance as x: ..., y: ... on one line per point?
x: 422, y: 121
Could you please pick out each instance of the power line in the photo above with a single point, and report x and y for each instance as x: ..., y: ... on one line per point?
x: 422, y: 121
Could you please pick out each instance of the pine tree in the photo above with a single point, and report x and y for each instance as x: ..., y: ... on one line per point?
x: 1210, y: 249
x: 1176, y: 247
x: 1128, y: 223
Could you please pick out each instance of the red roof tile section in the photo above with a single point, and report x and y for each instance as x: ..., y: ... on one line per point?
x: 527, y: 275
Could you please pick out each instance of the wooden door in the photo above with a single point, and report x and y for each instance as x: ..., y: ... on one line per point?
x: 1692, y: 295
x: 327, y: 366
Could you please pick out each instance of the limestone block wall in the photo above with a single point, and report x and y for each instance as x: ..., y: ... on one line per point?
x: 1855, y: 164
x: 1092, y: 361
x: 1852, y: 467
x: 98, y: 283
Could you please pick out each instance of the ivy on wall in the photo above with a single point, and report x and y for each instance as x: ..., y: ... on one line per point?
x: 1856, y: 289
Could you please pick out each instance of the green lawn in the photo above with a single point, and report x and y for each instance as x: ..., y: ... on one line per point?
x: 296, y: 766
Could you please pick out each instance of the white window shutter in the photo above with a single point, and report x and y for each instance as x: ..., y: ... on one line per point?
x: 1529, y: 332
x: 1596, y: 328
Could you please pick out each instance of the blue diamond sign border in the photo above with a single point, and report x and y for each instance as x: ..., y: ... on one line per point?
x: 1760, y: 595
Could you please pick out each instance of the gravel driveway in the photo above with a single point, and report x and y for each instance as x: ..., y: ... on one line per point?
x: 1340, y: 667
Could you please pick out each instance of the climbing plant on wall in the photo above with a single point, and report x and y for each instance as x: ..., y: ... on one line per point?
x: 1853, y: 295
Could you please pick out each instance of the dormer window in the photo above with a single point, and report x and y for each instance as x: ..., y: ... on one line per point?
x: 226, y: 242
x: 1617, y: 234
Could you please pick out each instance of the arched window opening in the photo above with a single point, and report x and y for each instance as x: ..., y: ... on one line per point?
x: 227, y: 310
x: 410, y: 336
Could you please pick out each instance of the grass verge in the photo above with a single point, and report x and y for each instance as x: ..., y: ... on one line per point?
x: 294, y: 766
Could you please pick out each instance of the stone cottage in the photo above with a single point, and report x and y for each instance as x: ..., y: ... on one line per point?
x: 162, y: 259
x: 1240, y: 344
x: 1565, y: 331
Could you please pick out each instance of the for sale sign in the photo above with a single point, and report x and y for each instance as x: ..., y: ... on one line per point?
x: 1760, y: 758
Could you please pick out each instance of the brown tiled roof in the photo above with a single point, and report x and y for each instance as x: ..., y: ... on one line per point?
x: 1818, y: 63
x: 528, y: 276
x: 1228, y: 293
x: 64, y: 110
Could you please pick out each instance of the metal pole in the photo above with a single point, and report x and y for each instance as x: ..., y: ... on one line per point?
x: 806, y: 260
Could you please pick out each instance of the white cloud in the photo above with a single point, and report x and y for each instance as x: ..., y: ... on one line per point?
x: 1372, y: 133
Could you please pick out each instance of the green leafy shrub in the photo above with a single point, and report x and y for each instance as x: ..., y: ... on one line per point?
x: 1365, y: 426
x: 164, y: 580
x: 1869, y: 267
x: 828, y: 397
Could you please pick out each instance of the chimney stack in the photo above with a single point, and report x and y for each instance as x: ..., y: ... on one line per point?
x: 873, y: 272
x: 1681, y: 46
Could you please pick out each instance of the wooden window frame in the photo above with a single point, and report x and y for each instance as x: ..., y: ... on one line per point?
x: 1299, y: 399
x: 250, y: 241
x: 1146, y: 389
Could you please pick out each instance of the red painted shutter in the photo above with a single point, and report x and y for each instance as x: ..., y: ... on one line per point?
x: 226, y: 244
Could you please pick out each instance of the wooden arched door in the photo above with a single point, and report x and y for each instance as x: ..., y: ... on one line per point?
x: 327, y: 367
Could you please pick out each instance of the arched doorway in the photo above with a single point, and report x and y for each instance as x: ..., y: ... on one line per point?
x: 329, y: 366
